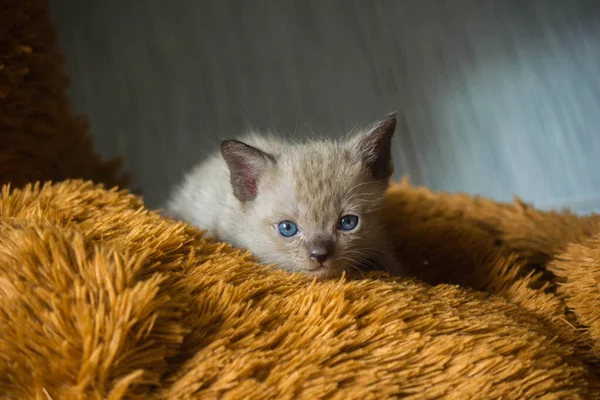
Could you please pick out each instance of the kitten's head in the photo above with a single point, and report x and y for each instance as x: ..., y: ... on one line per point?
x: 314, y: 207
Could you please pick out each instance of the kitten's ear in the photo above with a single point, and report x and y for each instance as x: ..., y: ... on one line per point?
x: 246, y: 164
x: 375, y: 147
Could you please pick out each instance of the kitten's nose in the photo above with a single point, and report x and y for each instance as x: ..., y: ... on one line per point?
x: 321, y: 251
x: 319, y: 255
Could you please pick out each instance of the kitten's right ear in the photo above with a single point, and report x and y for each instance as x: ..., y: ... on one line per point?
x: 375, y: 147
x: 246, y: 164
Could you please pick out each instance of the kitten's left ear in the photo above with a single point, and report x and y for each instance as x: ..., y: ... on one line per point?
x: 375, y: 147
x: 246, y: 165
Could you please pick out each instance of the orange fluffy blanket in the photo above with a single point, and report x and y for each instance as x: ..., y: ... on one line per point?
x: 103, y: 299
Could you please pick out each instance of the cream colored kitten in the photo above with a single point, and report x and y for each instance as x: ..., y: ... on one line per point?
x: 312, y: 207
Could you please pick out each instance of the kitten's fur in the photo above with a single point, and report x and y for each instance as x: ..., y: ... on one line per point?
x: 241, y: 193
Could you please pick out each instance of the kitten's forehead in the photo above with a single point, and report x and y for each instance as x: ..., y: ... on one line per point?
x: 323, y: 174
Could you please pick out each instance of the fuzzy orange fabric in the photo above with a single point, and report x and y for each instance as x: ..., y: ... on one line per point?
x: 101, y: 298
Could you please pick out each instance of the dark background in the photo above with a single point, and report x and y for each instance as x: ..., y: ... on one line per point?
x: 502, y: 97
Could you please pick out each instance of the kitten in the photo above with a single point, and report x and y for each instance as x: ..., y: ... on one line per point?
x: 310, y: 207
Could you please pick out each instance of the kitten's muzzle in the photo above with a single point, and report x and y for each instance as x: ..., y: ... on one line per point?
x: 320, y: 251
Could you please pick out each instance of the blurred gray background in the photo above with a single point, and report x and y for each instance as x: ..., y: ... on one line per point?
x: 501, y: 97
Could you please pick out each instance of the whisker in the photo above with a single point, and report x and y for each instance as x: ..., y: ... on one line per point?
x: 369, y: 260
x: 374, y: 259
x: 351, y: 264
x: 358, y: 185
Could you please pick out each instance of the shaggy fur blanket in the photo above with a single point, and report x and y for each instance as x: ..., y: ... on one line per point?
x: 101, y: 298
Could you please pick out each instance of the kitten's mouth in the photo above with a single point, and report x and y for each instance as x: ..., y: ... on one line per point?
x: 324, y: 265
x: 318, y: 267
x: 325, y: 270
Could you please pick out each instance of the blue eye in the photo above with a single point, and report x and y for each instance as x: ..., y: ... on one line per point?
x: 348, y: 222
x: 287, y: 228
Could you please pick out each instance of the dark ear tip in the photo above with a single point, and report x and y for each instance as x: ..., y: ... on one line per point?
x: 229, y: 144
x: 388, y: 122
x: 390, y: 116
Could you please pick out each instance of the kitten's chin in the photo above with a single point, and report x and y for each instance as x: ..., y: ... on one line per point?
x: 325, y: 273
